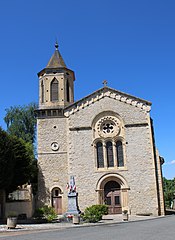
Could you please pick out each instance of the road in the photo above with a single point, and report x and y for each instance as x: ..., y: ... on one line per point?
x: 157, y: 229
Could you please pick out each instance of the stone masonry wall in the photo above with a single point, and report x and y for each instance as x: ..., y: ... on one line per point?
x: 52, y: 164
x: 140, y: 172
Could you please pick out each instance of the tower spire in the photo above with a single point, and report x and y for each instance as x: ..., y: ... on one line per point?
x: 56, y: 61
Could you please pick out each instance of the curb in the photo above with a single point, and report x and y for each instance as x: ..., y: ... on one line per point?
x: 49, y: 228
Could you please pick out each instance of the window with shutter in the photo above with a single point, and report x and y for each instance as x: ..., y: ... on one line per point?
x: 54, y: 90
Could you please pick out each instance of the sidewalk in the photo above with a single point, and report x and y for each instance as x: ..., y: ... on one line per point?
x: 107, y: 219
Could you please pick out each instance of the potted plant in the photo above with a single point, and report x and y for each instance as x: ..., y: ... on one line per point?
x: 11, y: 220
x: 125, y: 215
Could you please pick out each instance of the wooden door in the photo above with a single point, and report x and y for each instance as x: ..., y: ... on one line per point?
x: 57, y: 204
x: 112, y: 197
x: 57, y: 200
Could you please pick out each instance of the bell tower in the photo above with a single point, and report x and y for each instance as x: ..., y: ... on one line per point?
x: 56, y: 83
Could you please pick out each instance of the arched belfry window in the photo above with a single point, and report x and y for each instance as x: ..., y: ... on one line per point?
x: 68, y: 91
x: 54, y: 90
x: 109, y: 152
x: 42, y: 92
x: 119, y: 149
x: 100, y: 158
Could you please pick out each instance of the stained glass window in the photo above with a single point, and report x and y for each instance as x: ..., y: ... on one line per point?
x: 100, y: 159
x: 109, y: 151
x: 119, y: 148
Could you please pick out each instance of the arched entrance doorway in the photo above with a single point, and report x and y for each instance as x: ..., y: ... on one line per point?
x: 57, y: 200
x: 112, y: 197
x: 112, y: 190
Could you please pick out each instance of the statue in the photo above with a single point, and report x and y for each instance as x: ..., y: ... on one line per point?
x: 72, y: 198
x: 71, y: 186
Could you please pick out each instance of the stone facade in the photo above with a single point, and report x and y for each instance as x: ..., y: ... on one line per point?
x: 105, y: 141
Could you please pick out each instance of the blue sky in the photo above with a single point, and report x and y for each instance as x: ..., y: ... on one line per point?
x: 131, y: 43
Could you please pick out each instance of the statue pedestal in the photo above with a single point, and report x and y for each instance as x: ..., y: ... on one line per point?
x: 73, y: 208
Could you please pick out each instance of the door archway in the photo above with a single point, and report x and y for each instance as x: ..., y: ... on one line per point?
x: 112, y: 197
x: 57, y: 200
x: 112, y: 190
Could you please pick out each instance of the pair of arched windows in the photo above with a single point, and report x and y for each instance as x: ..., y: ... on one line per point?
x: 109, y: 154
x: 54, y: 91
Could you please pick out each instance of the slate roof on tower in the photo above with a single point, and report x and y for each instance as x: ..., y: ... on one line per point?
x: 55, y: 64
x: 56, y: 60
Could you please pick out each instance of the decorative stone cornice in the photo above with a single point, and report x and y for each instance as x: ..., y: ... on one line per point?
x: 111, y: 93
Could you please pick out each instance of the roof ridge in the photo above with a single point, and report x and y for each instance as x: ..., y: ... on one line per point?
x: 105, y: 92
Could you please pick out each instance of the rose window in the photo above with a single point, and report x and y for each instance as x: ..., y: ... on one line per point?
x: 108, y: 126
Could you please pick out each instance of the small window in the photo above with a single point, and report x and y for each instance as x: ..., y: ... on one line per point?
x: 56, y: 193
x: 42, y: 92
x: 68, y: 91
x: 109, y: 151
x: 117, y: 200
x: 100, y: 159
x: 108, y: 200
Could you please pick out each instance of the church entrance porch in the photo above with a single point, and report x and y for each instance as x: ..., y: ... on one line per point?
x: 112, y: 190
x: 57, y: 200
x: 112, y: 197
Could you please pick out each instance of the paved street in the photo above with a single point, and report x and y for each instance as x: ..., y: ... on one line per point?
x: 155, y: 229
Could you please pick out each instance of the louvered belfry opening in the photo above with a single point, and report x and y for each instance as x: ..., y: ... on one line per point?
x: 54, y: 90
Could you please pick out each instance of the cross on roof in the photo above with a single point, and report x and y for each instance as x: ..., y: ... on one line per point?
x: 105, y: 83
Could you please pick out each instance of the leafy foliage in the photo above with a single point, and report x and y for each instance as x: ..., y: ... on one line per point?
x: 46, y: 212
x: 21, y: 122
x: 94, y: 213
x: 169, y: 191
x: 16, y: 162
x: 7, y: 163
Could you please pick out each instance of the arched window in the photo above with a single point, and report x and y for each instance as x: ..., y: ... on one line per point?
x: 100, y: 158
x: 42, y: 92
x: 110, y: 157
x: 119, y: 149
x: 67, y: 91
x: 54, y: 90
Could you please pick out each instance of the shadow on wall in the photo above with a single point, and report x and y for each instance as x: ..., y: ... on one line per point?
x: 43, y: 192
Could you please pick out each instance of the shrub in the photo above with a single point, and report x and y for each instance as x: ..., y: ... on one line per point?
x: 94, y: 213
x: 38, y: 213
x: 46, y: 212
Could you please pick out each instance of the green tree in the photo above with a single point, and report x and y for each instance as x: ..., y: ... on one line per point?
x: 6, y: 160
x: 23, y: 159
x: 16, y: 162
x: 21, y: 121
x: 169, y: 191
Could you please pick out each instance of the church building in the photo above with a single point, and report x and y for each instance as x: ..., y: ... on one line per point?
x: 105, y: 140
